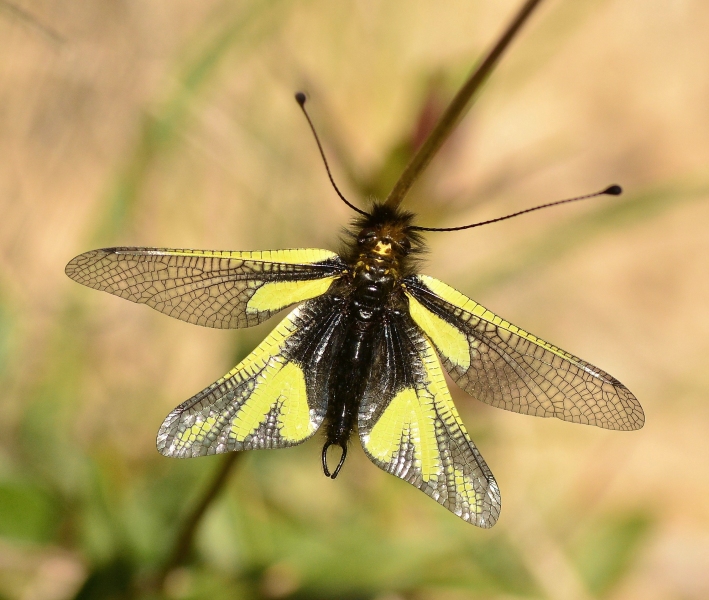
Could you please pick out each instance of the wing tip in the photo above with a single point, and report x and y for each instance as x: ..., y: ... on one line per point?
x: 484, y: 523
x: 166, y: 452
x: 639, y: 421
x: 74, y: 267
x: 490, y: 510
x: 70, y: 268
x: 485, y: 518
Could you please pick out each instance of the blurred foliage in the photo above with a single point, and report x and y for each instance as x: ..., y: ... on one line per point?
x: 28, y: 512
x: 88, y: 510
x: 605, y: 553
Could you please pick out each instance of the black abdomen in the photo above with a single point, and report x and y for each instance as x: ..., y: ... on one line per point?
x: 363, y: 323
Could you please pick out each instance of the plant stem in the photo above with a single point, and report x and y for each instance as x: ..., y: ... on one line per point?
x: 457, y: 107
x: 185, y: 537
x: 28, y: 18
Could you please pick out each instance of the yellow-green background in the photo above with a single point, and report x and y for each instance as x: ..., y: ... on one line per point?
x: 172, y: 123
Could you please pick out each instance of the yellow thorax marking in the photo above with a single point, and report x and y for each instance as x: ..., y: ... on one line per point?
x: 407, y: 416
x: 382, y: 249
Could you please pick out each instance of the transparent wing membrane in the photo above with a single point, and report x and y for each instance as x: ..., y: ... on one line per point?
x: 507, y: 367
x: 224, y: 290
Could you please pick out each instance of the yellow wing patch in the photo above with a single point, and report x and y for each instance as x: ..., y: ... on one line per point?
x: 197, y: 432
x: 282, y: 386
x: 279, y: 294
x: 408, y: 417
x: 465, y: 488
x: 271, y: 388
x: 443, y: 334
x: 453, y: 296
x: 463, y: 485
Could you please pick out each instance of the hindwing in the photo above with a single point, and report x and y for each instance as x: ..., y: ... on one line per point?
x: 507, y: 367
x: 225, y: 290
x: 276, y: 397
x: 410, y: 428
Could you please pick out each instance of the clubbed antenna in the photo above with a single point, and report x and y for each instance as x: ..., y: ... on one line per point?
x: 300, y: 99
x: 613, y: 190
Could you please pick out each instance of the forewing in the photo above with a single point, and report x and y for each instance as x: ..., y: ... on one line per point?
x: 225, y: 290
x: 409, y: 427
x: 276, y: 397
x: 507, y: 367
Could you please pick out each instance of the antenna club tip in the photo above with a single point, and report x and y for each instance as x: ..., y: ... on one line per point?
x: 300, y: 98
x: 613, y: 190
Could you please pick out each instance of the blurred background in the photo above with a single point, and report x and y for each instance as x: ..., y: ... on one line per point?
x: 172, y: 123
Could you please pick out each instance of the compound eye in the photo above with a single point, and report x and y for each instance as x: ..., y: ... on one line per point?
x: 365, y: 236
x: 405, y: 246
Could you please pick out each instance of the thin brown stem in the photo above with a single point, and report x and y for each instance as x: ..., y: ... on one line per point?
x: 26, y: 17
x: 458, y: 107
x: 183, y: 541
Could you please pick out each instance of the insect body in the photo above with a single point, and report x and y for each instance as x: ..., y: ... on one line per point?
x: 361, y: 352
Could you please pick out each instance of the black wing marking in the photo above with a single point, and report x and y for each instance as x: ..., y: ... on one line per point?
x: 224, y: 290
x: 507, y: 367
x: 276, y: 397
x: 409, y: 426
